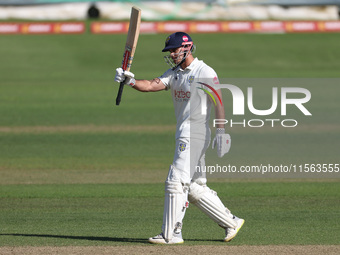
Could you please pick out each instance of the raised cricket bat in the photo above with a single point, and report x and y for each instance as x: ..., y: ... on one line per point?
x: 130, y: 46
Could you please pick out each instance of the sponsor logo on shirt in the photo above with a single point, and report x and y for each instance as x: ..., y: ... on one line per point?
x: 215, y: 80
x: 181, y: 95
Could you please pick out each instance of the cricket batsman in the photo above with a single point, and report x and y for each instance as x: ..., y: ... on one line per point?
x: 184, y: 184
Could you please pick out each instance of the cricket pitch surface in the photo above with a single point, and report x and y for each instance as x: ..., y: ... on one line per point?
x: 176, y: 249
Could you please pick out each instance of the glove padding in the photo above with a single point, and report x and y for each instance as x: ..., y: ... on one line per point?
x: 125, y: 76
x: 222, y: 142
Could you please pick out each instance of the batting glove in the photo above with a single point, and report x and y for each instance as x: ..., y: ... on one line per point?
x: 222, y: 141
x: 125, y: 76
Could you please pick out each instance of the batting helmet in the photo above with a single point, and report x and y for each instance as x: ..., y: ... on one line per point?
x: 177, y: 40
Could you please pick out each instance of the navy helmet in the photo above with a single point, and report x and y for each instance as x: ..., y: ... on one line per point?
x: 177, y: 40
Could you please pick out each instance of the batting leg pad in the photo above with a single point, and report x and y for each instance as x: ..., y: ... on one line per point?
x: 175, y: 204
x: 208, y: 202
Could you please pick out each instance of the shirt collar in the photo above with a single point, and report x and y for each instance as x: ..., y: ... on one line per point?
x: 193, y: 64
x: 190, y: 67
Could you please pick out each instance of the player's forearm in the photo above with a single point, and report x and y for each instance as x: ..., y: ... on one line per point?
x: 149, y: 85
x: 219, y: 111
x: 142, y: 85
x: 219, y: 114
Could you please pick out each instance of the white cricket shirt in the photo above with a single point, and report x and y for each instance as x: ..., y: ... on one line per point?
x: 189, y: 98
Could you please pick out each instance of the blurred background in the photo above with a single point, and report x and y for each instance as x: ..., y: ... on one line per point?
x: 169, y: 10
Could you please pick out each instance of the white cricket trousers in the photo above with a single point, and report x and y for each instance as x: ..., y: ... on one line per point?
x: 189, y: 153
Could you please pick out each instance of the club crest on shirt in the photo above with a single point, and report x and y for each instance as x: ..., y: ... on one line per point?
x: 181, y: 147
x: 191, y: 79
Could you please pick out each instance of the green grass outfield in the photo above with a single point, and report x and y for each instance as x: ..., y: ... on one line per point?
x: 77, y: 170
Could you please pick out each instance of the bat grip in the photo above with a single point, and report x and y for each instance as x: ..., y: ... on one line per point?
x: 120, y: 92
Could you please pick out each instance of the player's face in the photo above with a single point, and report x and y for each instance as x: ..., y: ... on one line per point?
x: 176, y: 54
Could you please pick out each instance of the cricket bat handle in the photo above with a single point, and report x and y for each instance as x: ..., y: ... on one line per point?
x: 120, y: 92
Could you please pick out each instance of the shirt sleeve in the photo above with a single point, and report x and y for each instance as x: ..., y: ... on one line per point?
x: 208, y: 76
x: 166, y: 78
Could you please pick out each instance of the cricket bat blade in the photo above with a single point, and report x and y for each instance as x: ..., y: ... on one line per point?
x: 130, y: 46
